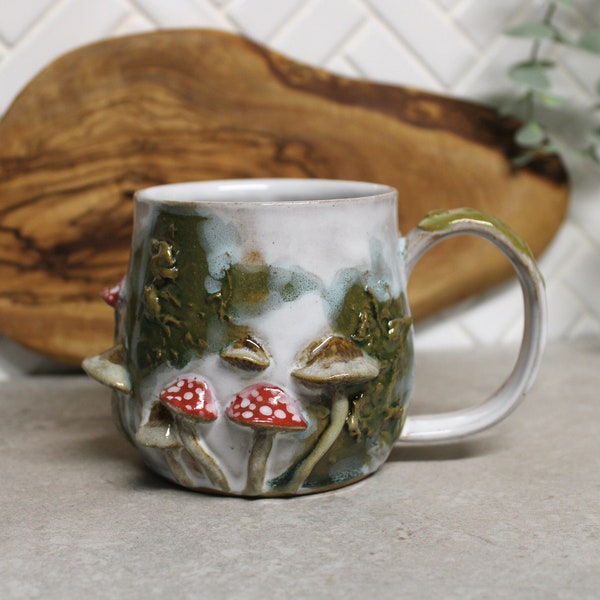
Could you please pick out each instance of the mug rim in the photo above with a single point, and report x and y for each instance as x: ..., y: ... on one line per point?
x: 247, y: 191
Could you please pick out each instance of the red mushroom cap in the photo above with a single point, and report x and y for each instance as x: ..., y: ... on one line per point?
x: 111, y: 295
x: 191, y: 396
x: 264, y: 405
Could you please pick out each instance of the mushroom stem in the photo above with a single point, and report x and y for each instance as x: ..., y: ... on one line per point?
x: 201, y: 456
x: 337, y: 418
x: 177, y: 470
x: 257, y: 463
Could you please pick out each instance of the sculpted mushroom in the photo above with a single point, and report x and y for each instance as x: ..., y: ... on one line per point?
x: 268, y: 410
x: 246, y: 354
x: 189, y: 402
x: 112, y: 295
x: 333, y: 365
x: 159, y: 432
x: 109, y: 367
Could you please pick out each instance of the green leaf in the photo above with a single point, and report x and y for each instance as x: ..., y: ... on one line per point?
x: 538, y: 31
x: 550, y: 149
x: 532, y: 74
x: 516, y: 105
x: 523, y: 159
x: 562, y: 38
x: 530, y: 135
x: 564, y: 2
x: 595, y: 137
x: 551, y: 101
x: 590, y: 41
x: 590, y: 152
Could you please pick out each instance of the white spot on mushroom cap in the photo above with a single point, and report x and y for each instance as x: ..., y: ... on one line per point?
x: 197, y: 402
x: 266, y: 405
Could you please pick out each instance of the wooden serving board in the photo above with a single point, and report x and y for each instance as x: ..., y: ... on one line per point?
x: 110, y: 118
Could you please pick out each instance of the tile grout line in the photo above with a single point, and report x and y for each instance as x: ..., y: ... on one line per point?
x: 222, y: 6
x: 126, y: 17
x: 483, y: 52
x: 447, y: 16
x: 288, y: 22
x: 376, y: 15
x: 587, y: 304
x: 223, y: 10
x: 354, y: 74
x: 30, y: 34
x: 346, y: 39
x: 143, y: 12
x: 37, y: 24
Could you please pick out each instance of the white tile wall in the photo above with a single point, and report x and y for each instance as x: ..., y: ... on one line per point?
x: 182, y: 13
x: 449, y: 46
x: 422, y: 30
x: 15, y: 23
x: 261, y: 19
x: 326, y: 24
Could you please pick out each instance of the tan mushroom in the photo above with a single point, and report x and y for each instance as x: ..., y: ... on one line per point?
x: 246, y: 354
x: 334, y: 365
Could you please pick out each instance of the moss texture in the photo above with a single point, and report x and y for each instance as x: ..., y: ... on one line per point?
x: 172, y: 318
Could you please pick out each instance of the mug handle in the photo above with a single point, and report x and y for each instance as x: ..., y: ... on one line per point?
x: 434, y: 228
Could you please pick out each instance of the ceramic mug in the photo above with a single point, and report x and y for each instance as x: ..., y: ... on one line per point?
x: 264, y: 343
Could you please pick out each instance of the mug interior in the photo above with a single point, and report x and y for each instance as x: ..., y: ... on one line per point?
x: 263, y: 191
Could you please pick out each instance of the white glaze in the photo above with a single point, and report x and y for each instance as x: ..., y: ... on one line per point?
x: 326, y: 236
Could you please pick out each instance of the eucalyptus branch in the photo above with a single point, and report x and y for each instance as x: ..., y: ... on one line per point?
x: 535, y: 136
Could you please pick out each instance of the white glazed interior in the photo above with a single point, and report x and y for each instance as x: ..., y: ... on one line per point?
x: 319, y: 225
x: 263, y: 191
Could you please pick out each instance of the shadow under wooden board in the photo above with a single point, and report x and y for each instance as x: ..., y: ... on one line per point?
x: 126, y: 113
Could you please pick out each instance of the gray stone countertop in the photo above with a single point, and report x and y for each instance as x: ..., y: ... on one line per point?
x: 511, y: 512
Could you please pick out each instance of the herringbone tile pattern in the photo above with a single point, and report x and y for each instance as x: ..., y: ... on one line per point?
x: 449, y: 46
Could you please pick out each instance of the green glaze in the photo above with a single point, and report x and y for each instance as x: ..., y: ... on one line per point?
x: 165, y: 330
x: 249, y: 290
x: 438, y: 221
x: 175, y: 318
x: 381, y: 328
x: 172, y: 318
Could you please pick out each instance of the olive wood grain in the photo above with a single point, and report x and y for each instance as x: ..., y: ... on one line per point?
x: 110, y: 118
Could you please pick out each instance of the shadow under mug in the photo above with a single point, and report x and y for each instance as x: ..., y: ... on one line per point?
x: 264, y: 343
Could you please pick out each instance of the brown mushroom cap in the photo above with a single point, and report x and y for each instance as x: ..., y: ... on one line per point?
x: 335, y: 361
x: 246, y: 354
x: 266, y: 406
x: 158, y: 431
